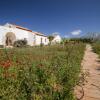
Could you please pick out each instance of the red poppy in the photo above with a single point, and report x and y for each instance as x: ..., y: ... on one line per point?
x: 6, y: 64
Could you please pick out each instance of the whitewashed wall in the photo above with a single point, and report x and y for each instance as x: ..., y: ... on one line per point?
x: 57, y: 39
x: 1, y: 35
x: 20, y: 34
x: 45, y: 40
x: 32, y: 38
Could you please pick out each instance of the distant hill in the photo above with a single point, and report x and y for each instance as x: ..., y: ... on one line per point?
x: 94, y: 36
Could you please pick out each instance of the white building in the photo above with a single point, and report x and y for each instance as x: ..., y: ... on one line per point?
x: 57, y: 39
x: 10, y: 33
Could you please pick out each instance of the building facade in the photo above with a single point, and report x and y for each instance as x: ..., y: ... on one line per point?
x: 56, y: 39
x: 10, y: 33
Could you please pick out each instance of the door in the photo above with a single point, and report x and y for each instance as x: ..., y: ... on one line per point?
x: 10, y: 39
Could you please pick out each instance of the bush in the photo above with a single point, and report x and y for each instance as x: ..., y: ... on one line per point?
x: 20, y: 43
x: 1, y: 46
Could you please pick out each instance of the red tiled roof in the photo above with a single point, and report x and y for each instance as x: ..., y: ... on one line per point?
x: 40, y: 34
x: 37, y: 33
x: 19, y: 27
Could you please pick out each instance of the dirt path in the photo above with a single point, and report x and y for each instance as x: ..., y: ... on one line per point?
x: 91, y: 63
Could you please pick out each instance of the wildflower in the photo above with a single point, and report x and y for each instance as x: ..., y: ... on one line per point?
x: 6, y: 64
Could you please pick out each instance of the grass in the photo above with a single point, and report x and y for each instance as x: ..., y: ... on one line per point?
x: 40, y: 73
x: 96, y: 47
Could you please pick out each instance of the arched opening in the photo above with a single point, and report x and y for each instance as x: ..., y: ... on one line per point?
x: 10, y: 39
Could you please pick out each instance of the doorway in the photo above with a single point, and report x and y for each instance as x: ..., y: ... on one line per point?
x: 10, y: 39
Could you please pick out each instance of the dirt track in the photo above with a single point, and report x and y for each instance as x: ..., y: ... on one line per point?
x: 91, y: 64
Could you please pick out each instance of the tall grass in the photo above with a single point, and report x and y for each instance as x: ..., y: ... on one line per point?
x: 40, y: 73
x: 96, y: 47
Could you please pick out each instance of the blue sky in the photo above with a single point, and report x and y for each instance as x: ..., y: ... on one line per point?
x: 67, y: 17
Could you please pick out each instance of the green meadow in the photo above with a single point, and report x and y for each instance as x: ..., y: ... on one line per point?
x: 40, y: 73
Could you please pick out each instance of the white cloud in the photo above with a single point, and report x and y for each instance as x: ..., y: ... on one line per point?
x: 76, y: 32
x: 55, y: 33
x: 67, y: 36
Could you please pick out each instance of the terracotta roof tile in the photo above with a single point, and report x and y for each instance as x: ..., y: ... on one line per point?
x: 37, y: 33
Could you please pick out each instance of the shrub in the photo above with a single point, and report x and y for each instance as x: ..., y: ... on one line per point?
x: 1, y: 46
x: 20, y: 43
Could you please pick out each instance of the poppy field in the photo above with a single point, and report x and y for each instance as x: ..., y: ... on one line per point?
x: 40, y: 73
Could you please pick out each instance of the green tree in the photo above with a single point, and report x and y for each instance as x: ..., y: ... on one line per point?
x: 50, y: 38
